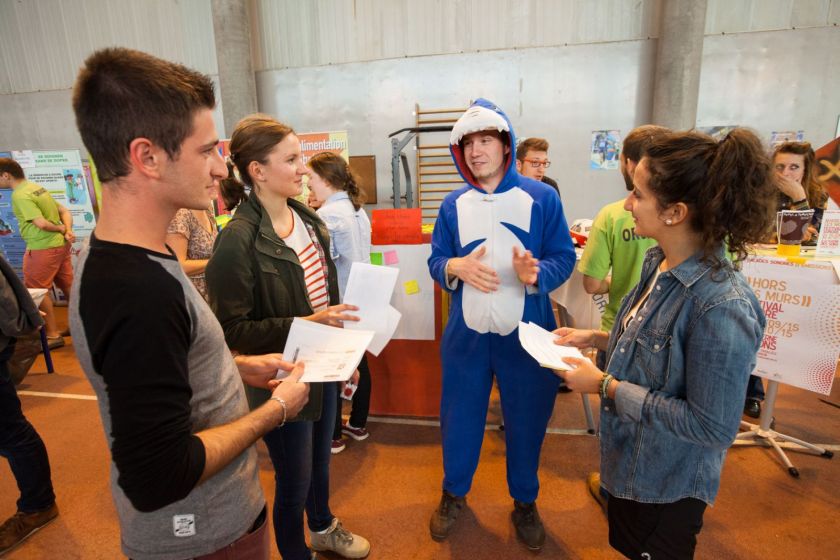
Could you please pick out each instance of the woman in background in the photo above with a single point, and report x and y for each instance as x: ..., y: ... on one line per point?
x: 340, y: 201
x: 191, y: 235
x: 271, y: 264
x: 684, y: 341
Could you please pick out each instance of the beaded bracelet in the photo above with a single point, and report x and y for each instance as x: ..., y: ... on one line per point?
x: 283, y: 404
x: 605, y: 383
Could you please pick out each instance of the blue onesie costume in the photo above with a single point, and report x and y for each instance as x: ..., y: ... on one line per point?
x: 481, y: 337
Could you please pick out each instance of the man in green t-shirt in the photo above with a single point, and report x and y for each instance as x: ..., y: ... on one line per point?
x: 47, y: 229
x: 613, y: 244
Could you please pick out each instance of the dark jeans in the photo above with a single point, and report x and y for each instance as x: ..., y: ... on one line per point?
x: 361, y: 401
x: 300, y: 452
x: 22, y: 446
x: 655, y: 531
x: 755, y: 388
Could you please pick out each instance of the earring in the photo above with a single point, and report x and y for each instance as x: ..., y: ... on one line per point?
x: 669, y: 221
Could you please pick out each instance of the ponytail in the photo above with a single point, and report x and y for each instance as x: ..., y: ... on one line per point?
x: 232, y: 189
x: 333, y: 169
x: 728, y: 187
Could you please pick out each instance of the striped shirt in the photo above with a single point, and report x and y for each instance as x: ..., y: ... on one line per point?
x: 310, y: 259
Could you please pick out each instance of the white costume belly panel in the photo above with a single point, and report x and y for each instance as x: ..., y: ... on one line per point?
x: 481, y: 216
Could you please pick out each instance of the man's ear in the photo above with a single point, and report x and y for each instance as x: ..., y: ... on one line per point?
x: 518, y: 166
x: 146, y: 157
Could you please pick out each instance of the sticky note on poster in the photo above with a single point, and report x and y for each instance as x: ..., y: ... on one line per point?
x: 400, y: 226
x: 411, y: 287
x: 376, y: 258
x: 391, y: 257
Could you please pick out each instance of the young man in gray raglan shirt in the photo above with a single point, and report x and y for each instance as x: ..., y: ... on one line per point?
x: 184, y: 473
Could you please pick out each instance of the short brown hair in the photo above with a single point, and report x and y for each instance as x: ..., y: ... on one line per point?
x: 122, y: 94
x: 253, y: 139
x: 637, y: 141
x: 728, y: 186
x: 13, y: 168
x: 334, y: 170
x: 535, y: 144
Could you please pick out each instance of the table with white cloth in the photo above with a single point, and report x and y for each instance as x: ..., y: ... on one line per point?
x: 577, y: 308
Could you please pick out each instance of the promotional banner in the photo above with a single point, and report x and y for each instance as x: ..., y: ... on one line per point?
x: 828, y: 169
x: 61, y: 173
x: 802, y: 305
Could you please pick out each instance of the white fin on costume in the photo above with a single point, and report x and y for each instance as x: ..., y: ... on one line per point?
x: 481, y: 216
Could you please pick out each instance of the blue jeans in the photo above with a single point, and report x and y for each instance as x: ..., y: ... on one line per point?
x: 22, y: 446
x: 300, y: 452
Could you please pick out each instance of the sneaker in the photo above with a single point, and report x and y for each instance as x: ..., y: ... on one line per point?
x: 444, y: 518
x: 529, y: 527
x: 19, y: 526
x: 337, y: 446
x: 54, y: 342
x: 356, y: 433
x: 593, y: 483
x: 339, y: 540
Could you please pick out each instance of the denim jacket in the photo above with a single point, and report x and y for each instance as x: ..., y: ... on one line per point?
x: 683, y: 363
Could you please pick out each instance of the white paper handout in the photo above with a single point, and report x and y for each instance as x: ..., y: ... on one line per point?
x: 380, y: 339
x: 369, y: 287
x: 539, y: 343
x: 329, y: 353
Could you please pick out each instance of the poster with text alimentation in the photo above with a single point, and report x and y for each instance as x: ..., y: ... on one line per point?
x: 605, y: 149
x: 802, y: 305
x: 62, y: 174
x: 312, y: 143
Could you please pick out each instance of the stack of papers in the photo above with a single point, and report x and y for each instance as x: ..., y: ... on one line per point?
x: 370, y: 287
x: 329, y: 353
x: 539, y: 343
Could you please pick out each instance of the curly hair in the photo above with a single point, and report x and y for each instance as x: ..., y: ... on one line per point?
x: 728, y: 186
x: 334, y: 170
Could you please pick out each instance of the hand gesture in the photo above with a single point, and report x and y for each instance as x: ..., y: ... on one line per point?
x: 584, y: 378
x: 292, y: 391
x: 473, y: 272
x: 334, y: 315
x: 579, y: 338
x: 70, y: 236
x: 257, y: 371
x: 791, y: 188
x: 526, y: 267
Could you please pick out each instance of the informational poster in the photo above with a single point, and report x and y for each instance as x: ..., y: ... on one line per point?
x: 605, y: 149
x: 61, y: 173
x: 802, y: 305
x: 828, y: 243
x: 780, y: 137
x: 11, y: 244
x: 398, y: 226
x: 312, y: 143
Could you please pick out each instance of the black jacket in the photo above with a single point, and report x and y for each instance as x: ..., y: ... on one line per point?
x: 256, y: 288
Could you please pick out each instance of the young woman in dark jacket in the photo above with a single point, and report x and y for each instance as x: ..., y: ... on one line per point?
x: 271, y: 264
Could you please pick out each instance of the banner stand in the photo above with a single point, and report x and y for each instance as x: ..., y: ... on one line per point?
x: 762, y: 434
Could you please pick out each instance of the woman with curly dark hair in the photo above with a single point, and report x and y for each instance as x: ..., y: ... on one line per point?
x: 684, y: 340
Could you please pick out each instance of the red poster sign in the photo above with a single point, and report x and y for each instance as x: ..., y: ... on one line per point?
x: 397, y: 227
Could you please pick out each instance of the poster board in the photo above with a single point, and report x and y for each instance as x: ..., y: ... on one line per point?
x: 802, y: 305
x: 414, y: 293
x: 364, y: 168
x: 62, y: 174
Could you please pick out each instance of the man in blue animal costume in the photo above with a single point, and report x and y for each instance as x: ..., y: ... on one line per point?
x: 500, y: 245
